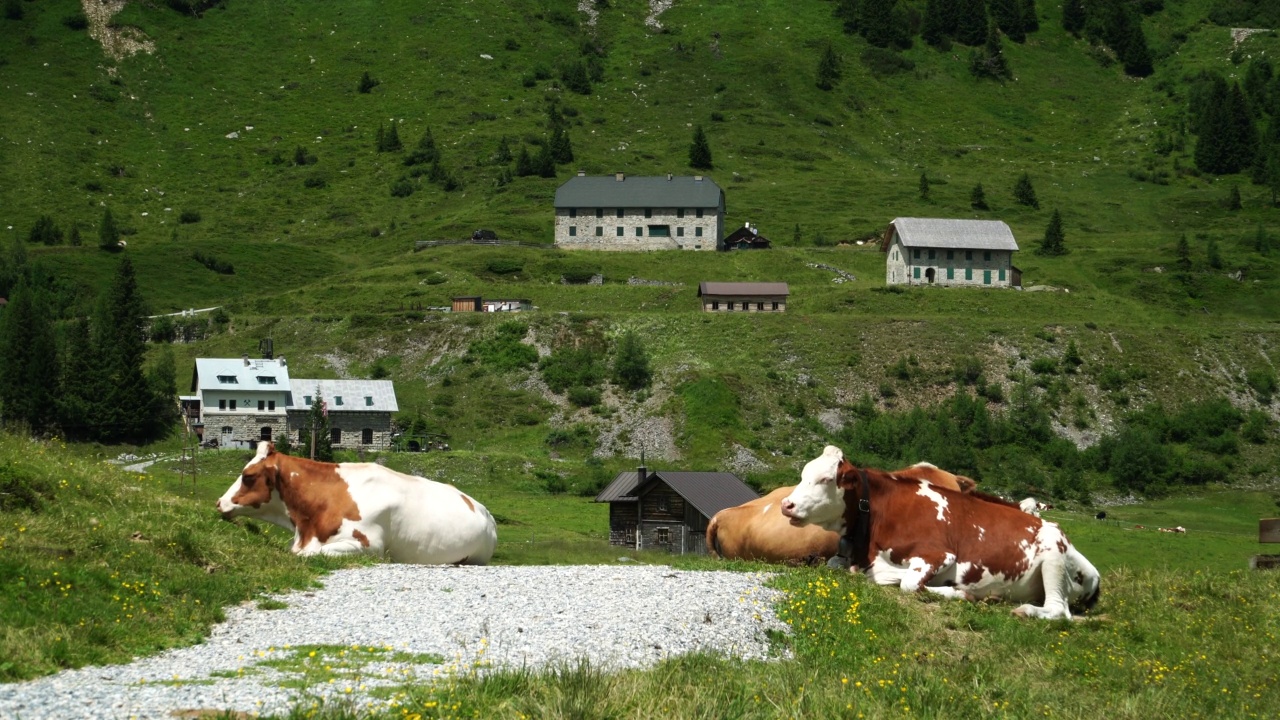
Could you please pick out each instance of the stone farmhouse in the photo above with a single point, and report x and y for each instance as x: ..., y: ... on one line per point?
x: 962, y: 253
x: 615, y: 212
x: 669, y: 510
x: 239, y: 401
x: 743, y: 296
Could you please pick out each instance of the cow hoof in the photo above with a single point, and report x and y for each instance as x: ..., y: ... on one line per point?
x: 1020, y: 611
x: 836, y: 562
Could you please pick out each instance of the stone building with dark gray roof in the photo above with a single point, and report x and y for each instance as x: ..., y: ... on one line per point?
x: 669, y: 510
x: 962, y: 253
x: 616, y: 212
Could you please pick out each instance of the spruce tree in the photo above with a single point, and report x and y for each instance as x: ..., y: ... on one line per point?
x: 699, y: 150
x: 545, y: 162
x: 73, y: 239
x: 1242, y: 137
x: 524, y: 163
x: 924, y: 186
x: 1054, y: 242
x: 1024, y: 193
x: 389, y: 140
x: 879, y: 24
x: 28, y: 360
x: 367, y: 83
x: 108, y: 233
x: 1211, y: 122
x: 426, y: 152
x: 990, y: 61
x: 1233, y: 198
x: 561, y: 147
x: 1007, y: 16
x: 503, y: 154
x: 1212, y: 255
x: 317, y: 426
x: 631, y: 364
x: 828, y: 68
x: 1073, y: 16
x: 939, y: 22
x: 79, y: 399
x: 1135, y: 54
x: 1182, y: 254
x: 127, y: 398
x: 978, y: 198
x: 1030, y: 16
x: 971, y: 22
x: 45, y: 231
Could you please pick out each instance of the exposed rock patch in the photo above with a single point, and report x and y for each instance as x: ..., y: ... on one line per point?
x: 118, y: 43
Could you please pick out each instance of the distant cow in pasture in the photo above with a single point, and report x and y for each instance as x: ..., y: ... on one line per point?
x: 1101, y: 516
x: 921, y: 537
x: 1178, y: 529
x: 1031, y: 506
x: 757, y: 530
x: 344, y: 508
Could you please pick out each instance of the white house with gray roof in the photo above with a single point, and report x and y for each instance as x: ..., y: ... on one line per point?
x: 962, y: 253
x: 239, y: 401
x: 616, y: 212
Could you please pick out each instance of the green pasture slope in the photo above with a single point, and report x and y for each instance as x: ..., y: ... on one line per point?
x: 98, y: 565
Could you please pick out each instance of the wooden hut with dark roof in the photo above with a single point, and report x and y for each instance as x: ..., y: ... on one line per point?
x: 667, y: 509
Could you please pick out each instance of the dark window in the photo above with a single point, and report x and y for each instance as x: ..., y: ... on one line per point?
x: 639, y: 232
x: 302, y: 436
x: 697, y: 232
x: 968, y: 254
x: 1001, y: 274
x: 573, y: 212
x: 573, y: 231
x: 775, y: 306
x: 335, y: 436
x: 659, y: 231
x: 759, y: 306
x: 337, y: 399
x: 262, y: 405
x: 366, y: 436
x: 930, y: 253
x: 599, y: 212
x: 951, y: 254
x: 599, y: 231
x: 228, y: 379
x: 730, y: 304
x: 915, y: 253
x: 648, y: 212
x: 917, y: 273
x: 987, y: 256
x: 222, y: 404
x: 265, y: 433
x: 679, y: 212
x: 271, y: 404
x: 699, y: 212
x: 715, y: 304
x: 620, y: 212
x: 951, y: 273
x: 233, y: 404
x: 680, y: 232
x: 968, y: 273
x: 619, y: 231
x: 662, y: 536
x: 307, y: 400
x: 368, y: 401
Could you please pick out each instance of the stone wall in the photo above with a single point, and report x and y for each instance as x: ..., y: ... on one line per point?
x: 352, y: 423
x: 598, y: 229
x: 246, y: 426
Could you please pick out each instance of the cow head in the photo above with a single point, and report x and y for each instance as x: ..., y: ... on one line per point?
x: 819, y: 498
x: 256, y: 492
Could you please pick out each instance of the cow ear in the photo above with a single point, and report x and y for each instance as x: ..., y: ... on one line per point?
x: 271, y: 449
x: 834, y: 452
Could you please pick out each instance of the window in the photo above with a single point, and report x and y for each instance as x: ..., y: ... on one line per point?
x: 1001, y: 274
x: 968, y: 254
x: 760, y: 306
x: 639, y: 232
x: 368, y: 401
x: 680, y: 232
x: 262, y: 405
x: 337, y: 399
x: 951, y: 273
x: 302, y: 437
x: 951, y: 254
x: 265, y: 433
x: 233, y: 404
x: 917, y: 273
x: 266, y: 380
x: 662, y: 536
x: 228, y: 379
x: 730, y: 304
x: 648, y: 212
x: 699, y: 212
x: 573, y: 212
x: 619, y: 231
x: 599, y: 231
x: 697, y: 232
x: 599, y: 212
x: 335, y: 436
x: 715, y: 304
x: 366, y: 436
x: 986, y: 256
x: 306, y: 400
x: 619, y: 212
x: 222, y: 404
x: 916, y: 253
x: 968, y: 273
x: 930, y: 253
x: 271, y: 404
x: 775, y: 306
x: 986, y: 277
x: 573, y: 231
x: 659, y: 231
x: 679, y: 212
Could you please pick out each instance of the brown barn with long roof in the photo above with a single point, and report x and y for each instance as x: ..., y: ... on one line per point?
x: 743, y: 296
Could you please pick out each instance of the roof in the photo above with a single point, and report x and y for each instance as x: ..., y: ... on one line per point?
x: 951, y: 234
x: 708, y: 492
x: 357, y: 395
x: 606, y: 191
x: 745, y: 233
x: 742, y: 288
x: 240, y: 374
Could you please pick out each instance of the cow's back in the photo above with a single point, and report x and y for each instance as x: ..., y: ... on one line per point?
x: 421, y: 521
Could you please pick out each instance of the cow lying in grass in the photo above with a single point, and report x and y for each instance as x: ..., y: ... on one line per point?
x: 344, y: 508
x: 757, y: 530
x: 922, y: 537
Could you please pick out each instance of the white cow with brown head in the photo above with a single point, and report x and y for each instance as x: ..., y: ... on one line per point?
x: 344, y: 508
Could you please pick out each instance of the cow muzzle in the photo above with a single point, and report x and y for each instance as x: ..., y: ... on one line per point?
x: 788, y: 509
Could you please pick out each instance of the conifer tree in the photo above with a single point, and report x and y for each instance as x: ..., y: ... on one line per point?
x: 828, y: 68
x: 1024, y: 193
x: 1007, y: 16
x: 28, y: 360
x: 367, y: 83
x: 924, y: 186
x: 879, y: 22
x: 1212, y: 255
x: 1030, y: 16
x: 161, y: 376
x: 1054, y: 242
x: 524, y: 163
x: 939, y: 22
x: 127, y: 399
x: 45, y: 231
x: 545, y: 162
x: 426, y: 152
x: 561, y: 147
x: 1073, y: 16
x: 1135, y: 54
x: 73, y: 239
x: 1233, y: 198
x: 631, y: 364
x: 1071, y: 357
x: 699, y: 150
x: 389, y: 139
x: 503, y: 154
x: 978, y: 198
x: 1242, y: 137
x: 108, y: 233
x: 79, y: 398
x: 1182, y: 253
x: 989, y: 61
x: 971, y: 22
x: 317, y: 427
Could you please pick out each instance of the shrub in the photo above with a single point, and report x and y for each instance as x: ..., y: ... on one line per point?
x: 189, y: 217
x: 76, y: 21
x: 45, y: 231
x: 315, y: 182
x: 584, y: 396
x: 213, y: 263
x: 504, y: 351
x: 504, y: 266
x: 20, y: 489
x: 631, y: 363
x: 569, y: 367
x: 1257, y: 427
x: 1110, y: 379
x: 881, y: 61
x: 1263, y: 382
x: 576, y: 436
x: 401, y: 188
x: 302, y: 157
x: 1044, y: 366
x: 367, y: 83
x: 966, y: 370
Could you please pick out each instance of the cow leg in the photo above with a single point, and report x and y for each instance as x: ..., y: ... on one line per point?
x: 923, y: 569
x: 1053, y: 573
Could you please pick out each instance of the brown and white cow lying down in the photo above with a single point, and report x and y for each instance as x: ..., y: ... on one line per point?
x: 344, y: 508
x: 757, y: 529
x: 949, y: 543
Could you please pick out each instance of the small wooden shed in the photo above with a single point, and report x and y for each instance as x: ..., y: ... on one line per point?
x: 669, y: 510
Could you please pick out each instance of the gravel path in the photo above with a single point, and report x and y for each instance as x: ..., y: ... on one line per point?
x: 383, y: 625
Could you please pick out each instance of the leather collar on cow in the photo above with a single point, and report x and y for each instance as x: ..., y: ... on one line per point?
x: 855, y: 544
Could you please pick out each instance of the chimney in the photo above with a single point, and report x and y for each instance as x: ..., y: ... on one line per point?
x: 246, y: 360
x: 642, y: 472
x: 619, y: 176
x: 282, y: 362
x: 697, y: 178
x: 582, y: 173
x: 668, y: 177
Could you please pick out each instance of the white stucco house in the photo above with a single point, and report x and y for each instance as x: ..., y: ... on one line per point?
x: 961, y: 253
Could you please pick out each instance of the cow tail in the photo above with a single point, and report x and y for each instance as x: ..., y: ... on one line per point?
x: 1092, y: 600
x: 713, y: 547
